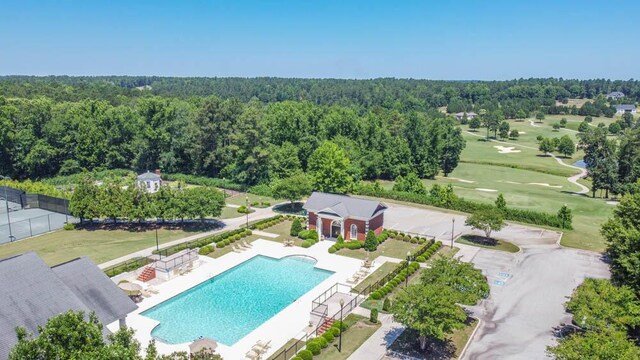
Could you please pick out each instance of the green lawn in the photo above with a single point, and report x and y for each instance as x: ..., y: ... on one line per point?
x: 493, y: 244
x: 229, y: 213
x: 98, y: 245
x: 360, y: 330
x: 375, y: 276
x: 391, y: 248
x: 240, y: 199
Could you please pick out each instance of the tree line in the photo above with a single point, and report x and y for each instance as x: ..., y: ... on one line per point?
x: 116, y: 200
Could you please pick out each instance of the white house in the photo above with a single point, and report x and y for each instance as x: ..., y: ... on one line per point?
x: 627, y: 108
x: 615, y: 95
x: 469, y: 115
x: 150, y: 181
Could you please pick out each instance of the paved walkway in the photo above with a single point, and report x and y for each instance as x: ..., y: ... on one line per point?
x: 376, y: 346
x: 229, y: 224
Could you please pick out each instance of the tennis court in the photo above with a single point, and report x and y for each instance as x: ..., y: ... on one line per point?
x: 19, y: 223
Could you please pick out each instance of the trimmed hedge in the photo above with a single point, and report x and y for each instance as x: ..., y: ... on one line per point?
x: 305, y: 355
x: 398, y: 279
x: 464, y: 205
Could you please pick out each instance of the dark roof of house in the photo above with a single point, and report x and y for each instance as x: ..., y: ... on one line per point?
x: 343, y: 205
x: 149, y: 176
x: 625, y: 107
x: 32, y: 292
x: 615, y: 94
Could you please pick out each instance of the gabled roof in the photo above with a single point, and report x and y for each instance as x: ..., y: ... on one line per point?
x: 32, y: 292
x: 615, y: 94
x: 343, y: 205
x: 470, y: 113
x: 149, y: 176
x: 625, y: 107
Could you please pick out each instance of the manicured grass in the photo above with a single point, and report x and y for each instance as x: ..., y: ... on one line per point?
x: 287, y: 346
x: 352, y: 339
x: 377, y: 304
x: 493, y: 244
x: 445, y: 251
x: 407, y: 343
x: 375, y: 276
x: 391, y: 248
x: 98, y: 245
x: 240, y: 199
x: 229, y: 213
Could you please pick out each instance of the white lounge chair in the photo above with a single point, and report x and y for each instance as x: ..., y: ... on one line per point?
x: 252, y: 355
x: 246, y: 244
x: 353, y: 279
x: 264, y: 346
x: 236, y: 249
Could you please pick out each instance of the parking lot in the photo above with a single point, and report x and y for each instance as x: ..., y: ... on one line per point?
x: 528, y: 288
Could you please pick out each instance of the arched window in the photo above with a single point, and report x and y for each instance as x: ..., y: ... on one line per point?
x: 354, y: 232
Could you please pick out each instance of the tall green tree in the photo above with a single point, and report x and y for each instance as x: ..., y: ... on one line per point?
x: 430, y: 310
x: 622, y: 234
x: 292, y: 188
x: 566, y: 146
x: 329, y: 169
x: 467, y: 282
x: 486, y: 220
x: 607, y: 344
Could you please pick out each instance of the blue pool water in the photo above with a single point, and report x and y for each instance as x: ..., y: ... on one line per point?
x: 231, y: 305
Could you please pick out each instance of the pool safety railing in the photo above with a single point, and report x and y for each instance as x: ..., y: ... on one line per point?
x: 176, y: 260
x: 322, y: 298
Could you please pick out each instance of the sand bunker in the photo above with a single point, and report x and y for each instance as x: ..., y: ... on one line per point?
x: 487, y: 190
x: 612, y: 202
x: 545, y: 184
x: 522, y: 132
x: 506, y: 150
x: 463, y: 180
x: 511, y: 182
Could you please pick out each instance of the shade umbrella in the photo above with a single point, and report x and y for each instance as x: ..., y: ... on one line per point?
x: 203, y: 344
x: 130, y: 288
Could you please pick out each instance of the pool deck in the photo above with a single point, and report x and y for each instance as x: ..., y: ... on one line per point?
x: 287, y: 324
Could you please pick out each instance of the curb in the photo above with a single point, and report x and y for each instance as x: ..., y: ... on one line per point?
x: 473, y: 334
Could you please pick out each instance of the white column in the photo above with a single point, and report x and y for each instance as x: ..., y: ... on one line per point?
x: 366, y: 227
x: 319, y: 226
x: 342, y: 228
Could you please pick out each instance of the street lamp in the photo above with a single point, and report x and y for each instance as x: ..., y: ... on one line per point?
x: 406, y: 279
x: 157, y: 245
x: 453, y: 224
x: 247, y: 212
x: 340, y: 341
x: 6, y: 202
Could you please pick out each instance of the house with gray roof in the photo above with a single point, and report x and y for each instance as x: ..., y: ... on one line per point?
x: 332, y: 215
x: 626, y: 108
x: 615, y: 95
x: 150, y: 181
x: 465, y: 115
x: 33, y: 292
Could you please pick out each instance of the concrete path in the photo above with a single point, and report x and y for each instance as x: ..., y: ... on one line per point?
x: 376, y: 346
x: 228, y: 224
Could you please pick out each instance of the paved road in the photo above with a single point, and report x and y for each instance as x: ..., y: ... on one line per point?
x: 229, y: 224
x: 528, y: 288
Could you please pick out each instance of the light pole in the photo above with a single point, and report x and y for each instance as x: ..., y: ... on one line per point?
x: 406, y: 279
x: 340, y: 341
x: 6, y: 202
x: 157, y: 245
x: 246, y: 198
x: 453, y: 225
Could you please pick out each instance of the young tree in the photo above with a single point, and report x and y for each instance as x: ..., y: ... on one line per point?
x: 608, y: 344
x: 371, y: 241
x: 84, y: 200
x: 474, y: 124
x: 566, y: 146
x: 565, y: 215
x: 431, y: 310
x: 467, y: 282
x: 410, y: 183
x: 539, y: 116
x: 546, y: 146
x: 583, y: 127
x: 514, y: 134
x: 504, y: 130
x: 588, y: 119
x: 296, y: 227
x: 292, y: 188
x: 486, y: 220
x: 623, y: 242
x: 501, y: 203
x: 202, y: 202
x: 329, y: 169
x: 521, y: 114
x: 563, y: 122
x: 556, y: 127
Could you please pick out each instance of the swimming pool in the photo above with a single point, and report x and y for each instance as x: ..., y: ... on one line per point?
x: 231, y: 305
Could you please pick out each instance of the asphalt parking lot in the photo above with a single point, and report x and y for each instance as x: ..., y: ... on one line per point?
x: 528, y: 288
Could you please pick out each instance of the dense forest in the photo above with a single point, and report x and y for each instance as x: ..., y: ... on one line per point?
x: 254, y: 131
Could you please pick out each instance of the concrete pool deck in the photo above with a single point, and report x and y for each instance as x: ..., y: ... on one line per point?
x: 287, y: 324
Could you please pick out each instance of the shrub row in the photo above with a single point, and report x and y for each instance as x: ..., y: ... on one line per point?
x: 221, y: 240
x: 310, y: 237
x: 389, y: 286
x: 429, y: 252
x: 267, y: 223
x: 351, y: 245
x: 399, y: 235
x: 314, y: 346
x: 461, y: 204
x: 244, y: 210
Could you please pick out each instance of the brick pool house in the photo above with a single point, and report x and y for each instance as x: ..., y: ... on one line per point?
x: 333, y: 214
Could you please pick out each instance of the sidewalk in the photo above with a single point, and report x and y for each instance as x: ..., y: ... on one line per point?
x: 229, y: 224
x: 376, y: 346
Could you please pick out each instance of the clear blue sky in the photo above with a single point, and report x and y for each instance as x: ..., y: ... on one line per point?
x: 482, y: 39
